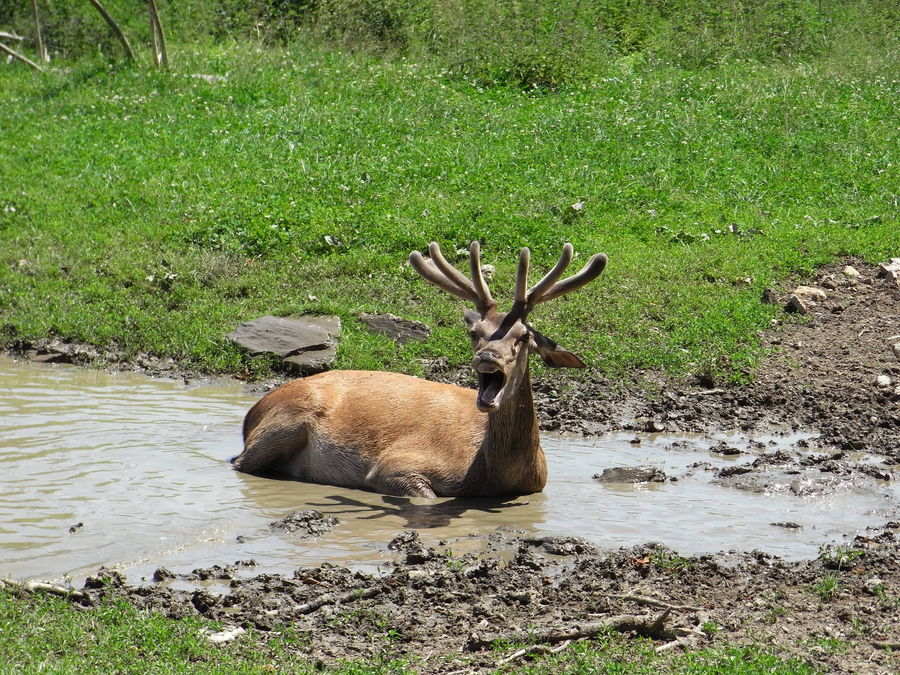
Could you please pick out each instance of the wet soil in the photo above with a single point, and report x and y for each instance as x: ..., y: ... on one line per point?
x: 451, y: 613
x: 833, y: 373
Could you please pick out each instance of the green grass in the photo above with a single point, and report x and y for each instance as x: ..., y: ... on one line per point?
x: 157, y: 210
x: 42, y: 633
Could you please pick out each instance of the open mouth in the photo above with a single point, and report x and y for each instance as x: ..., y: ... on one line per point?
x: 490, y: 384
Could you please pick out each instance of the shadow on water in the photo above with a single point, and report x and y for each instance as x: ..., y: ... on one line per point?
x: 416, y: 515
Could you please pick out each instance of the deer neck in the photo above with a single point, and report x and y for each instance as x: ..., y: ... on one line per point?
x: 511, y: 450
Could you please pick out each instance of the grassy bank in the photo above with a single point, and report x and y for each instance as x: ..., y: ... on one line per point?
x: 158, y: 210
x: 48, y: 634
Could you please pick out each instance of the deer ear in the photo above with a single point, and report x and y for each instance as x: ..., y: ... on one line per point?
x: 552, y: 354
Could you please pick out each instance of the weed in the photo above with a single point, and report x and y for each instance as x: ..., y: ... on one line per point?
x: 831, y: 645
x: 775, y: 612
x: 838, y: 557
x: 827, y: 587
x: 710, y: 627
x: 670, y: 562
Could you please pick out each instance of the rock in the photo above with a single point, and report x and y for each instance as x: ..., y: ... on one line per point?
x: 631, y: 474
x: 851, y: 272
x: 883, y: 381
x: 307, y: 343
x: 722, y: 448
x: 890, y: 270
x: 804, y: 298
x: 896, y: 349
x: 402, y: 330
x: 795, y: 305
x: 488, y: 271
x: 209, y: 79
x: 224, y: 635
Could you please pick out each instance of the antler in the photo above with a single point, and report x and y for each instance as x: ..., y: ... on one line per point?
x: 438, y: 271
x: 548, y: 287
x: 442, y: 274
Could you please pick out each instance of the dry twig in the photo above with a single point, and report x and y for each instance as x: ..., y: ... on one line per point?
x: 624, y: 623
x: 17, y: 55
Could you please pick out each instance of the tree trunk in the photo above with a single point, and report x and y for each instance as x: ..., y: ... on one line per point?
x: 115, y: 28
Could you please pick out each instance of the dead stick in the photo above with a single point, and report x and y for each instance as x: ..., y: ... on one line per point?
x: 332, y: 599
x: 40, y: 586
x: 17, y: 55
x: 533, y: 649
x: 623, y: 623
x: 659, y: 604
x: 41, y: 50
x: 160, y: 52
x: 893, y: 646
x: 115, y: 28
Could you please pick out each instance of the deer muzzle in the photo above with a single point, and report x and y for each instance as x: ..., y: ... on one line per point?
x: 491, y: 380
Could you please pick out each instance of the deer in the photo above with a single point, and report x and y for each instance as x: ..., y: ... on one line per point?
x: 406, y: 436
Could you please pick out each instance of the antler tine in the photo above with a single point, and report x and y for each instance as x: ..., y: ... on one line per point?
x: 430, y: 272
x: 536, y: 293
x: 520, y: 302
x: 588, y: 273
x: 484, y: 294
x: 450, y: 271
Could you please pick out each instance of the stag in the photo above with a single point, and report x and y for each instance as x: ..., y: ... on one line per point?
x: 402, y: 435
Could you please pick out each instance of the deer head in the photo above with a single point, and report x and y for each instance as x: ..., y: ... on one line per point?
x: 502, y: 341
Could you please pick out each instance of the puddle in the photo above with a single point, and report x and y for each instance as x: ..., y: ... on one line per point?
x: 131, y: 472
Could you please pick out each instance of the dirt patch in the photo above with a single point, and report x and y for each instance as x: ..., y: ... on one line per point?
x: 833, y: 372
x: 839, y: 612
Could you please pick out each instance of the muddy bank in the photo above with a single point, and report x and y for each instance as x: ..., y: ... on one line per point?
x: 839, y: 612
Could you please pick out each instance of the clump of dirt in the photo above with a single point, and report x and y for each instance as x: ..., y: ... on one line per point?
x: 839, y: 612
x: 309, y: 523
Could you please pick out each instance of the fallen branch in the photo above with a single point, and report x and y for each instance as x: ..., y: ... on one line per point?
x: 43, y: 55
x: 659, y: 604
x: 332, y: 599
x: 157, y: 37
x: 32, y: 587
x: 533, y: 649
x: 22, y: 58
x: 644, y: 625
x: 893, y: 646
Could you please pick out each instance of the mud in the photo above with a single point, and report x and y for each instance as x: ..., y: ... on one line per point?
x: 448, y: 613
x: 832, y: 374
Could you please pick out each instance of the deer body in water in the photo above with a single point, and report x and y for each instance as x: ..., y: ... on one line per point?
x: 402, y: 435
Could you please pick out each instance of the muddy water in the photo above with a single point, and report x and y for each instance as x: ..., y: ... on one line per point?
x: 132, y: 472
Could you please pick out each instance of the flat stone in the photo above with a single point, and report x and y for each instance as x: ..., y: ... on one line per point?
x: 307, y: 343
x: 401, y: 330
